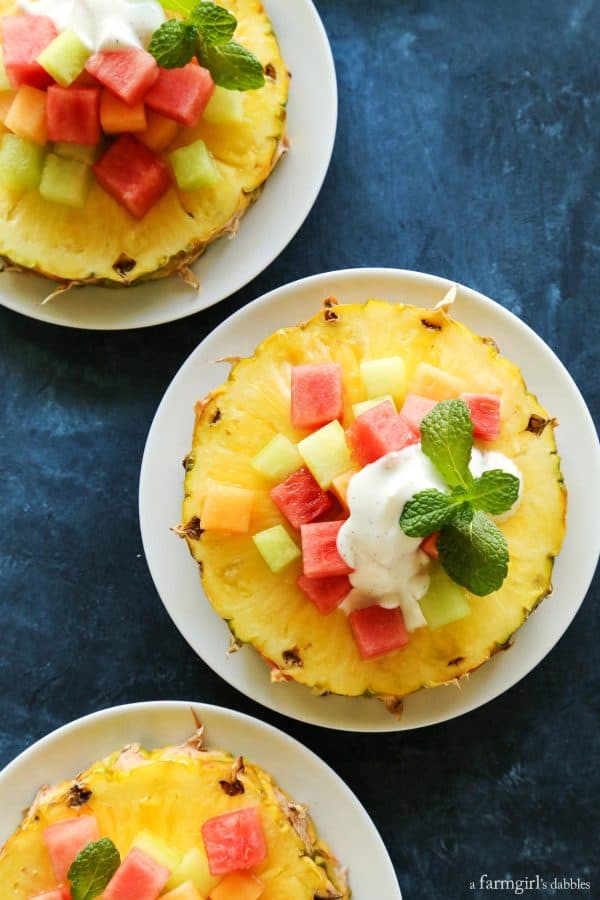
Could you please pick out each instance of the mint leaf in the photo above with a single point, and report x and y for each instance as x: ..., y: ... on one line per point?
x: 232, y: 66
x: 447, y: 439
x: 495, y: 491
x: 474, y: 554
x: 183, y: 7
x: 173, y: 44
x: 430, y: 510
x: 92, y: 869
x: 216, y: 24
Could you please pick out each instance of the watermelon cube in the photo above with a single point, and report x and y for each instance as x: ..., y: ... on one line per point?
x: 21, y: 162
x: 127, y: 73
x: 378, y: 431
x: 185, y: 891
x: 159, y: 131
x: 116, y: 116
x: 227, y: 507
x: 276, y: 547
x: 27, y: 114
x: 444, y: 601
x: 133, y: 175
x: 359, y: 408
x: 64, y: 59
x: 181, y: 94
x: 384, y: 376
x: 23, y: 39
x: 300, y: 499
x: 138, y: 876
x: 485, y: 415
x: 65, y: 840
x: 326, y: 453
x: 316, y: 395
x: 277, y: 459
x: 325, y: 593
x: 320, y: 555
x: 73, y: 114
x: 234, y: 841
x: 238, y: 886
x: 429, y: 381
x: 430, y: 545
x: 378, y: 631
x: 414, y: 410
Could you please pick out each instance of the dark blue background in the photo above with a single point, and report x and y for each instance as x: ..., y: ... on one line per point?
x: 467, y: 147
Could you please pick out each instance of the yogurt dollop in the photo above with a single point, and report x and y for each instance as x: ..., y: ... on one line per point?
x: 389, y: 568
x: 114, y: 25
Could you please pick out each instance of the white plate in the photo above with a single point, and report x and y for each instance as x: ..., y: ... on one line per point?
x: 265, y: 230
x: 176, y: 575
x: 71, y: 749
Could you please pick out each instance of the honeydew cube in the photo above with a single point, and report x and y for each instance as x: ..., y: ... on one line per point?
x: 27, y: 114
x: 185, y: 891
x: 429, y: 381
x: 227, y: 507
x: 359, y: 408
x: 21, y: 162
x: 444, y: 601
x: 224, y: 107
x: 65, y: 181
x: 157, y: 849
x: 340, y: 486
x: 5, y: 82
x: 326, y: 453
x: 193, y: 867
x: 238, y: 886
x: 276, y: 547
x: 384, y: 376
x: 64, y: 58
x: 81, y: 152
x: 194, y: 167
x: 278, y: 459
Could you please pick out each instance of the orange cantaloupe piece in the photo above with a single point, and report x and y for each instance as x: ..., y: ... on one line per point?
x: 159, y: 132
x: 117, y: 117
x: 27, y: 114
x: 340, y: 486
x: 227, y: 507
x: 6, y: 99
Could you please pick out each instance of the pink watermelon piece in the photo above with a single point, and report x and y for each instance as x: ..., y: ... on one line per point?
x: 23, y: 39
x: 316, y: 395
x: 320, y: 555
x: 485, y: 414
x: 181, y: 94
x: 378, y: 630
x: 73, y: 114
x: 300, y: 498
x: 65, y: 839
x: 415, y: 409
x: 139, y: 876
x: 430, y: 545
x: 378, y: 431
x: 133, y: 175
x: 62, y: 893
x: 234, y: 841
x: 127, y: 73
x: 325, y: 593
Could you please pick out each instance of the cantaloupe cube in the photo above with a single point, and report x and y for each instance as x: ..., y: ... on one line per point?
x: 384, y: 376
x: 225, y: 107
x: 276, y: 547
x: 64, y: 58
x: 340, y: 486
x: 238, y: 886
x: 359, y: 408
x: 277, y: 459
x: 160, y: 131
x: 185, y: 891
x: 116, y: 116
x: 429, y: 381
x: 227, y: 507
x: 6, y: 100
x: 326, y: 453
x: 65, y: 181
x: 27, y: 114
x: 21, y: 162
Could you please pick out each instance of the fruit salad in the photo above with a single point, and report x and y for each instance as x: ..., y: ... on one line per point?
x: 179, y: 823
x: 132, y: 134
x: 374, y: 499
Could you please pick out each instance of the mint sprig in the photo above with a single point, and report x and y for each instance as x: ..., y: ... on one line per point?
x: 92, y: 869
x: 206, y: 32
x: 471, y: 547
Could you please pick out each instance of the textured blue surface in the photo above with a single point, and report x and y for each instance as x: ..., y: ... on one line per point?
x: 467, y: 147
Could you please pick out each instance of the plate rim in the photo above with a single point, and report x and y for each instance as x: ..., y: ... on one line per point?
x: 366, y: 272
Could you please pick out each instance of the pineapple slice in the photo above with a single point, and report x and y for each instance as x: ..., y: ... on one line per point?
x: 168, y: 794
x: 100, y: 243
x: 268, y: 609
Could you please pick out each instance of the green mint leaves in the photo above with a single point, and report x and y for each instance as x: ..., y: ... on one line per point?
x: 206, y: 32
x: 471, y: 547
x: 92, y: 869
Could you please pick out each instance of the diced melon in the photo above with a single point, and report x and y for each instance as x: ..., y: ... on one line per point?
x: 227, y: 507
x: 193, y: 867
x: 127, y: 73
x: 27, y: 114
x: 276, y: 547
x: 384, y: 376
x: 238, y: 886
x: 429, y: 545
x: 485, y: 415
x: 429, y: 381
x: 131, y: 173
x: 73, y: 114
x: 64, y: 840
x: 81, y: 152
x: 5, y: 82
x: 225, y: 107
x: 65, y: 181
x: 378, y: 431
x: 415, y: 408
x: 326, y: 593
x: 444, y: 601
x: 181, y: 94
x: 116, y: 116
x: 21, y: 162
x: 64, y: 58
x: 194, y: 167
x: 277, y: 459
x: 316, y: 395
x: 159, y: 132
x: 340, y: 486
x: 300, y: 499
x: 359, y: 408
x: 326, y: 453
x: 23, y: 39
x: 138, y: 876
x: 235, y: 840
x: 157, y: 849
x: 378, y: 631
x: 320, y: 555
x: 185, y: 891
x: 6, y: 100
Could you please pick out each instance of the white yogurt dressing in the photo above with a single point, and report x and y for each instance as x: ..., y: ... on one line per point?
x: 112, y: 25
x: 389, y: 568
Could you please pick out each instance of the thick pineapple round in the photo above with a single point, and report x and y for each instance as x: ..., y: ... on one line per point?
x: 170, y: 793
x: 102, y: 243
x: 268, y: 610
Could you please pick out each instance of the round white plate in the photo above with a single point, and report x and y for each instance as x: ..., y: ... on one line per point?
x: 71, y: 749
x: 176, y: 574
x: 266, y: 229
